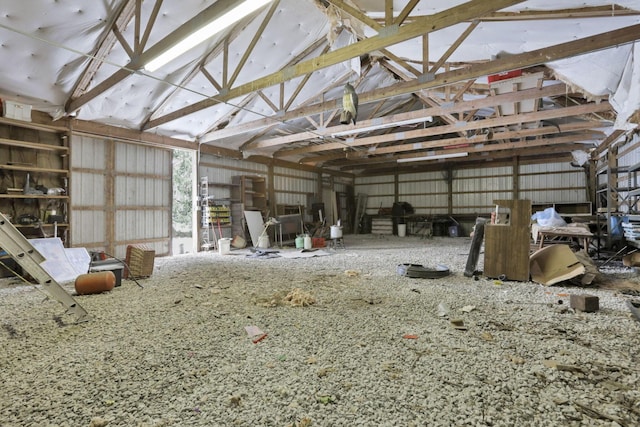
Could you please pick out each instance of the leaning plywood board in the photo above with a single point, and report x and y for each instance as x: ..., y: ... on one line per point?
x: 255, y: 224
x: 506, y: 245
x: 553, y: 264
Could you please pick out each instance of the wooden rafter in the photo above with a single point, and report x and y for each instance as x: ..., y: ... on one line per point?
x: 435, y: 22
x: 122, y: 16
x: 527, y: 59
x: 464, y: 126
x: 138, y: 62
x: 585, y: 129
x: 254, y: 41
x: 408, y: 8
x: 439, y: 110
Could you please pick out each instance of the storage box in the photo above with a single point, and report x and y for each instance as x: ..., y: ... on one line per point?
x: 318, y: 242
x: 584, y: 302
x: 139, y: 259
x: 113, y: 265
x: 504, y: 75
x: 17, y: 111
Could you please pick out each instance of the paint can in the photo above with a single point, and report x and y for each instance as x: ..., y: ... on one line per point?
x: 224, y: 246
x: 263, y: 242
x: 402, y: 230
x: 307, y: 242
x: 336, y: 232
x: 299, y: 242
x: 95, y: 283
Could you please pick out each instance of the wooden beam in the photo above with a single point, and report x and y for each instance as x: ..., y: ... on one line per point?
x: 129, y: 135
x: 390, y: 37
x: 455, y: 45
x: 408, y: 8
x: 122, y: 16
x: 462, y: 126
x: 137, y: 62
x: 254, y: 41
x: 440, y: 110
x: 517, y: 61
x: 356, y: 13
x: 471, y: 143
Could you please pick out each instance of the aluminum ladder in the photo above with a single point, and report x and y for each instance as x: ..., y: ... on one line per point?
x: 18, y: 247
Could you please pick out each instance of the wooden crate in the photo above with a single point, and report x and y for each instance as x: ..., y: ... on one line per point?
x: 139, y: 259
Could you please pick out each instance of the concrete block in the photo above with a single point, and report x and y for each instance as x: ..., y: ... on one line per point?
x: 584, y: 302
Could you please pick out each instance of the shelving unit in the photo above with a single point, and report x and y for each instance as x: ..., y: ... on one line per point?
x: 612, y: 197
x: 251, y: 191
x: 248, y: 193
x: 34, y: 178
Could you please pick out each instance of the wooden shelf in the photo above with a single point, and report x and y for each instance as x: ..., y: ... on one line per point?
x: 38, y: 224
x: 33, y: 145
x: 34, y: 169
x: 32, y: 196
x: 35, y: 156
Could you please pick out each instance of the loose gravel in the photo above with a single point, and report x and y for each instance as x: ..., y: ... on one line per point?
x: 349, y: 342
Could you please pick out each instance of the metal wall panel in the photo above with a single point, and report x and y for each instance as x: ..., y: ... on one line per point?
x: 474, y: 190
x: 137, y: 191
x: 130, y: 204
x: 87, y: 189
x: 553, y: 183
x: 142, y: 159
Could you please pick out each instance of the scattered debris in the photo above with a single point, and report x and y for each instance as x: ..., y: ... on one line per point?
x: 634, y: 309
x: 98, y: 422
x: 351, y: 273
x: 468, y: 308
x: 325, y: 399
x: 299, y: 298
x: 417, y: 271
x: 458, y: 324
x: 443, y: 310
x: 303, y: 422
x: 553, y: 264
x: 255, y: 334
x: 486, y: 336
x: 584, y: 302
x: 13, y: 333
x: 593, y: 413
x: 410, y: 336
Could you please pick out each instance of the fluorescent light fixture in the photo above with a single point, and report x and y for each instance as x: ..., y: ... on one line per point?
x: 225, y: 20
x: 432, y: 157
x: 376, y: 126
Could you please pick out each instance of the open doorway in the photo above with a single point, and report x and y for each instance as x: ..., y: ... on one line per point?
x: 183, y: 224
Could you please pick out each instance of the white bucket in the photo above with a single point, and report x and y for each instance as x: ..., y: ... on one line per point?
x: 224, y: 246
x: 402, y: 230
x: 263, y: 242
x: 336, y: 232
x: 307, y: 242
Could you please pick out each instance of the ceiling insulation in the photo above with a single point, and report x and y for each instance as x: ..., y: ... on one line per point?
x: 271, y: 85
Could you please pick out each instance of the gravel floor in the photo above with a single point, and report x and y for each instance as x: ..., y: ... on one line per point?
x: 372, y: 350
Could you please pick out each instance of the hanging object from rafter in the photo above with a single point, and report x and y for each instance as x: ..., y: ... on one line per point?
x: 349, y: 105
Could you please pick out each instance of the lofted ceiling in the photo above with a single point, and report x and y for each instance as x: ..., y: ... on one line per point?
x: 438, y: 81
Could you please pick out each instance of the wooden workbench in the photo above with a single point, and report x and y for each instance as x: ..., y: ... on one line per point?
x: 564, y: 233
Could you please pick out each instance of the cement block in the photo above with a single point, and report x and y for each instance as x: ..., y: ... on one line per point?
x: 584, y: 302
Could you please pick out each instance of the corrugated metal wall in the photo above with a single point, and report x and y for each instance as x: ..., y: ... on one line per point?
x: 219, y: 171
x: 120, y: 195
x: 554, y: 182
x: 294, y: 187
x: 474, y: 190
x: 290, y: 186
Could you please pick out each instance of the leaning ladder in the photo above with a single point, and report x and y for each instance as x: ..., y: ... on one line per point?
x: 18, y: 247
